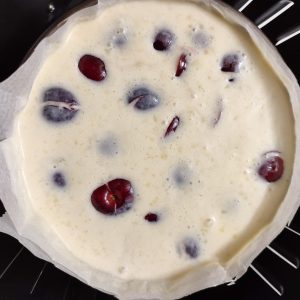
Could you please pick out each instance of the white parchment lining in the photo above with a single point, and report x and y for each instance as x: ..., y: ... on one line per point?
x: 21, y: 221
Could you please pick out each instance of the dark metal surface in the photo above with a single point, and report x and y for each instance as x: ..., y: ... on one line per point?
x: 24, y: 277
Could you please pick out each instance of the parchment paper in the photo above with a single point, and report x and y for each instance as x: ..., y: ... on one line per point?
x: 21, y: 222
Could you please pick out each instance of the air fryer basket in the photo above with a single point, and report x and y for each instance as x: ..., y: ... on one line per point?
x: 273, y: 275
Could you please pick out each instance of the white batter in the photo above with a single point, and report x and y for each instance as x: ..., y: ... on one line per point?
x: 225, y: 129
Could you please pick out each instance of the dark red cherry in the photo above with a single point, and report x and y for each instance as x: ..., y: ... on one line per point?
x: 231, y: 63
x: 272, y: 168
x: 181, y: 66
x: 92, y: 67
x: 172, y: 126
x: 151, y: 217
x: 163, y: 40
x: 114, y: 197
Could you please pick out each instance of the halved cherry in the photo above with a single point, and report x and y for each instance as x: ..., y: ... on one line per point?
x: 114, y: 197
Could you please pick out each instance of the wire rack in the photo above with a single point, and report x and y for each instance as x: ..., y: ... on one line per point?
x: 273, y: 275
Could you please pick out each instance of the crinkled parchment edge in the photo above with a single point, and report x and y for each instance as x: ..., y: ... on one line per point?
x: 21, y: 222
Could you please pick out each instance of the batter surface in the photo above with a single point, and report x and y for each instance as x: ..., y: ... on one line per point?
x: 150, y: 136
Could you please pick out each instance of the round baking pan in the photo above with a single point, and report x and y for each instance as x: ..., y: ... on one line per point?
x: 273, y: 275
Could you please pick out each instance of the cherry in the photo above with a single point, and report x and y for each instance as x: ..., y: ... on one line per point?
x: 163, y: 40
x: 60, y: 105
x: 172, y: 126
x: 119, y: 37
x: 272, y: 169
x: 201, y: 40
x: 182, y: 175
x: 151, y: 217
x: 114, y: 197
x: 190, y: 247
x: 92, y: 67
x: 109, y: 146
x: 182, y: 64
x: 144, y: 98
x: 231, y: 63
x: 59, y: 179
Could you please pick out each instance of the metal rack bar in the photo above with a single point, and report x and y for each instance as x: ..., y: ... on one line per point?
x: 38, y: 278
x: 273, y: 12
x: 241, y: 5
x: 292, y: 230
x: 295, y: 266
x: 11, y: 262
x: 288, y: 35
x: 279, y: 291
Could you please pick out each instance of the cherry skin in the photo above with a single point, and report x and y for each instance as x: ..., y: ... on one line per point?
x: 151, y: 217
x: 231, y: 63
x: 163, y: 40
x: 60, y: 105
x: 114, y: 197
x: 59, y: 179
x: 143, y: 98
x: 172, y: 126
x: 272, y: 169
x: 182, y: 65
x: 92, y: 67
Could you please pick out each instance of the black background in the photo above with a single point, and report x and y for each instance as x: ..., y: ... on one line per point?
x: 21, y: 24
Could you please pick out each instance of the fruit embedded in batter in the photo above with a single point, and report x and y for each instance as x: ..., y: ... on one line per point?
x: 201, y: 39
x: 60, y: 105
x: 151, y: 217
x: 119, y: 37
x: 59, y: 179
x: 163, y: 40
x: 182, y: 175
x: 143, y: 98
x: 189, y: 247
x: 182, y: 65
x: 172, y: 126
x: 272, y: 168
x: 231, y: 63
x: 92, y: 67
x: 109, y: 146
x: 114, y: 197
